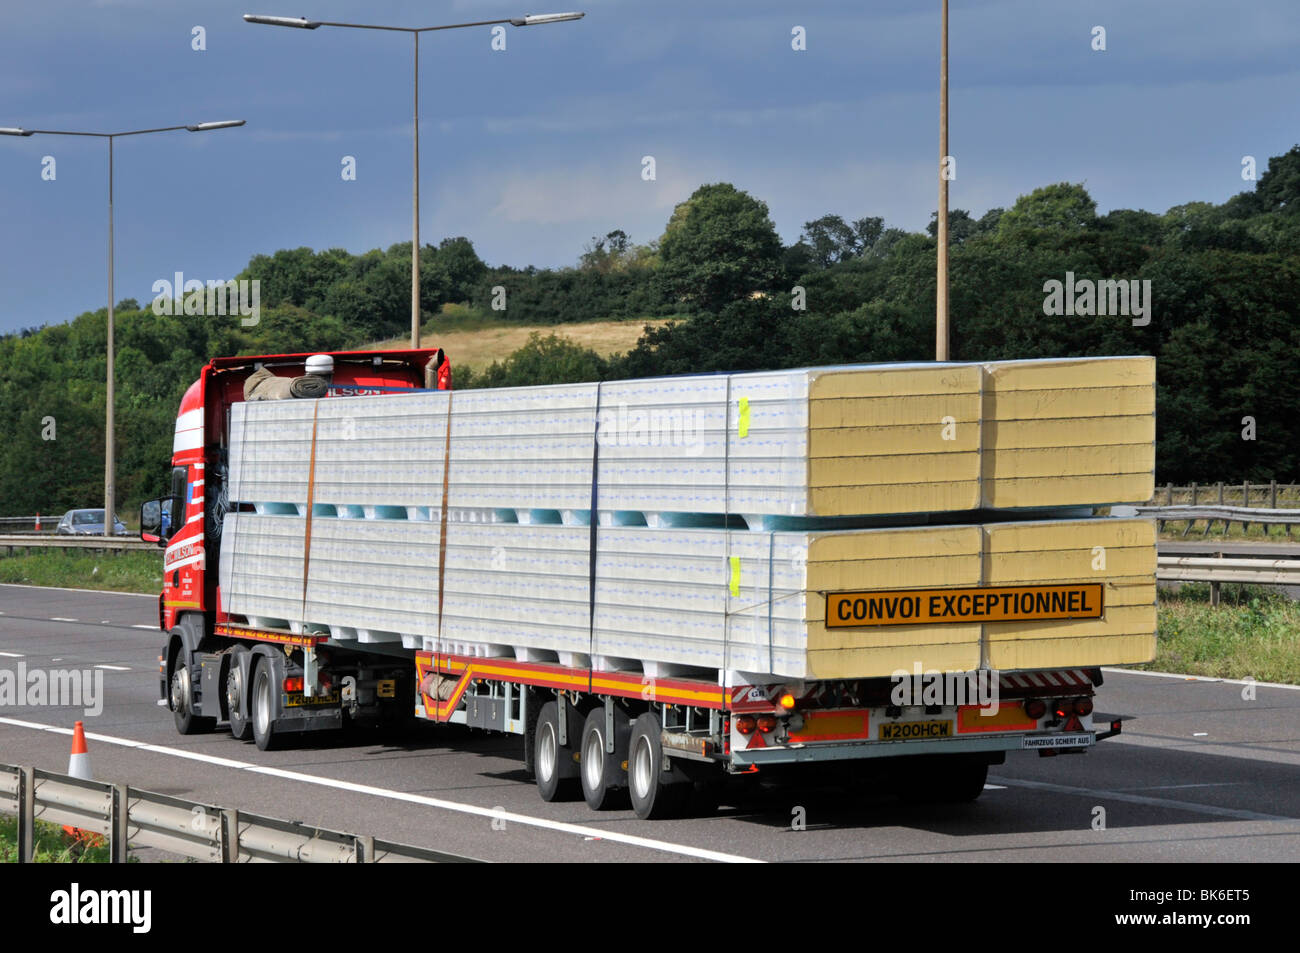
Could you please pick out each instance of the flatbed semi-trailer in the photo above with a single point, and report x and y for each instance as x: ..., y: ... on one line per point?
x: 610, y: 729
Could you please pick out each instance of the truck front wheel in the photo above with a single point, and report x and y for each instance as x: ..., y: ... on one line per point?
x: 181, y: 700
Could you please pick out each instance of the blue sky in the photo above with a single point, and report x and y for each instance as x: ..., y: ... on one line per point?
x: 531, y: 151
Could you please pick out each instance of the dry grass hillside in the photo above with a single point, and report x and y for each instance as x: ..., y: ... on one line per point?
x: 475, y: 342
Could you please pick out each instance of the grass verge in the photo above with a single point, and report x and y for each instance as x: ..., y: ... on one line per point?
x: 112, y: 571
x: 1254, y: 633
x: 53, y: 845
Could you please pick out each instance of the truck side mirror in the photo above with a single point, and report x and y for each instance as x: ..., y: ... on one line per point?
x: 151, y: 522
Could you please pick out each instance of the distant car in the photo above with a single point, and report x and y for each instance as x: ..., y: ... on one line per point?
x: 88, y: 523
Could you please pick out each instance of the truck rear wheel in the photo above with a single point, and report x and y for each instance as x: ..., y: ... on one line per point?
x: 236, y: 699
x: 263, y: 709
x: 557, y: 775
x: 604, y: 780
x: 656, y: 791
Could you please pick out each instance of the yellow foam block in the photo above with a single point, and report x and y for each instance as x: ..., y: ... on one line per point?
x: 1068, y: 490
x: 862, y: 663
x: 1109, y: 460
x: 1006, y: 435
x: 917, y: 380
x: 858, y: 442
x: 900, y: 498
x: 1022, y: 654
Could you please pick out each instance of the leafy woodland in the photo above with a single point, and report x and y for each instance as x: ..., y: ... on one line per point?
x: 1225, y: 321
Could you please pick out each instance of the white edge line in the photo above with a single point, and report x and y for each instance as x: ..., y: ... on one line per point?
x: 93, y: 592
x: 559, y: 826
x: 12, y: 655
x: 1200, y: 678
x: 114, y: 668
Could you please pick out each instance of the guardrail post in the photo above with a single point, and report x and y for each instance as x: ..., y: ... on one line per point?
x: 121, y: 814
x: 1220, y: 486
x: 26, y: 815
x: 1169, y: 494
x: 1272, y: 494
x: 1214, y: 586
x: 230, y: 836
x: 365, y: 849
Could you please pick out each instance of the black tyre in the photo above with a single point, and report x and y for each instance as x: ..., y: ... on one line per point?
x: 557, y: 773
x: 945, y: 780
x: 241, y: 726
x: 181, y: 700
x: 263, y: 708
x: 604, y: 779
x: 656, y: 791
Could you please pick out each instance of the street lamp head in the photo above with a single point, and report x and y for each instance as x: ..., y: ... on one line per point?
x: 301, y: 23
x: 539, y: 18
x: 224, y: 124
x: 4, y: 131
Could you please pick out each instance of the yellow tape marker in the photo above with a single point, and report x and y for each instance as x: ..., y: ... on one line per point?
x: 744, y: 417
x: 735, y: 575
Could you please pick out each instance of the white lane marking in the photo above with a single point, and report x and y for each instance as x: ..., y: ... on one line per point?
x: 1210, y: 809
x: 59, y: 618
x: 995, y: 787
x: 559, y: 826
x: 93, y: 592
x: 152, y: 628
x: 11, y: 654
x: 114, y: 668
x: 1200, y: 678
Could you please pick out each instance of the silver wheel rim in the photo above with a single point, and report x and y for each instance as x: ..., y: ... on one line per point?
x: 262, y: 709
x: 234, y: 693
x: 546, y: 753
x: 642, y: 767
x: 180, y: 689
x: 593, y: 762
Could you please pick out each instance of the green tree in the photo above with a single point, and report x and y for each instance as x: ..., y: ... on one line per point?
x: 1061, y: 207
x: 720, y: 246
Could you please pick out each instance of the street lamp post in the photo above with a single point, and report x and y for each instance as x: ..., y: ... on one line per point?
x: 941, y: 277
x: 302, y: 23
x: 109, y: 455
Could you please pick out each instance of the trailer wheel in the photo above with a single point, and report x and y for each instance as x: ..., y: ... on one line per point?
x: 604, y: 781
x: 656, y: 792
x: 236, y: 699
x: 965, y: 783
x: 263, y: 709
x: 181, y: 692
x: 557, y: 775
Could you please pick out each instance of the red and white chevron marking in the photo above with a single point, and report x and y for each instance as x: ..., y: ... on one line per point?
x: 1064, y: 678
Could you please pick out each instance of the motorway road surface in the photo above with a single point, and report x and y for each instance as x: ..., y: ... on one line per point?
x: 1200, y: 773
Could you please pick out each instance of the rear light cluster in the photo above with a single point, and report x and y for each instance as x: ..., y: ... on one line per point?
x: 746, y: 724
x: 1035, y: 708
x: 293, y: 684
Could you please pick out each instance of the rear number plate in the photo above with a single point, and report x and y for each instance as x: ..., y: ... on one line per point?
x: 297, y: 700
x: 903, y: 730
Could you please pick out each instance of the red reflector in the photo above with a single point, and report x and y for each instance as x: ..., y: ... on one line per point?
x: 1035, y: 708
x: 766, y: 723
x: 745, y: 724
x: 293, y: 684
x: 1073, y: 724
x: 1083, y: 706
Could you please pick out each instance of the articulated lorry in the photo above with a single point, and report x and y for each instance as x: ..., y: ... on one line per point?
x: 658, y: 584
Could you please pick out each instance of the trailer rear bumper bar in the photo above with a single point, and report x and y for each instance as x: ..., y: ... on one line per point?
x: 857, y: 750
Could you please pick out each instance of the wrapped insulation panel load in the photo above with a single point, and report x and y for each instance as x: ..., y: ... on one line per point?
x: 769, y: 523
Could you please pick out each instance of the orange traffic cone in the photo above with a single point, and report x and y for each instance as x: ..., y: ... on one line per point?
x: 79, y: 760
x: 38, y: 522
